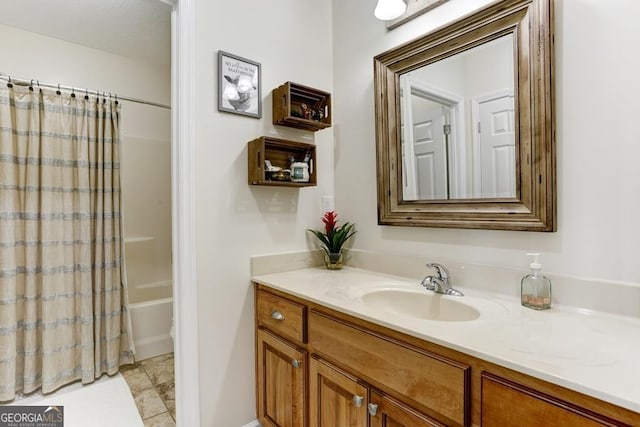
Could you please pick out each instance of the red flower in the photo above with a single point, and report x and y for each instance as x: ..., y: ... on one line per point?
x: 330, y: 219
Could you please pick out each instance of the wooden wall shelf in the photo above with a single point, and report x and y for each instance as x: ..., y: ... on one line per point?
x: 301, y: 107
x: 278, y: 151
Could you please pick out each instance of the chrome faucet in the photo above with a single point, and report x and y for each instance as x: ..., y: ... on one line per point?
x: 440, y: 282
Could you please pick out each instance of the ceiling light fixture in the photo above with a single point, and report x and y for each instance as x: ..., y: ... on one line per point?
x: 389, y: 9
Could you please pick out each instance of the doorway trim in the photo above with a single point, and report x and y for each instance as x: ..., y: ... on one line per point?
x: 183, y: 207
x: 457, y: 157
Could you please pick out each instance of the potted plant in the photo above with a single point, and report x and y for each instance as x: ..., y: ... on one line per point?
x: 333, y: 239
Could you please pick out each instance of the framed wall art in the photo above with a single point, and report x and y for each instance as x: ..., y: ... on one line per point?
x: 239, y: 85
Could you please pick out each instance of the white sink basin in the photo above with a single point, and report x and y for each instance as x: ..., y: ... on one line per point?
x: 424, y: 305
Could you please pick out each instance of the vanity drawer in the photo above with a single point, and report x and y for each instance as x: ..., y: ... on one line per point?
x: 282, y: 316
x: 434, y: 382
x: 506, y: 403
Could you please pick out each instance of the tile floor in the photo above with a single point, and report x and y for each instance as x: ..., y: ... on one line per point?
x: 151, y: 382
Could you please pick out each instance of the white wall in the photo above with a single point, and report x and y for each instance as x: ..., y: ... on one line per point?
x: 292, y: 41
x: 597, y: 143
x: 50, y: 60
x: 472, y: 73
x: 145, y: 132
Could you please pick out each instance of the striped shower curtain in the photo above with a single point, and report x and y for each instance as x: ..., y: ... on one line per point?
x: 63, y: 299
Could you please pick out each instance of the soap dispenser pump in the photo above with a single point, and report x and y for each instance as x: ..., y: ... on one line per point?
x: 536, y: 288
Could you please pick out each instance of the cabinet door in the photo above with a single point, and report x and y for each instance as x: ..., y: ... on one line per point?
x: 281, y: 382
x: 335, y: 397
x: 385, y: 411
x: 440, y: 384
x: 508, y: 404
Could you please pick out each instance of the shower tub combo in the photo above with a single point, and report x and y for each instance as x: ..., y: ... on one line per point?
x: 150, y: 301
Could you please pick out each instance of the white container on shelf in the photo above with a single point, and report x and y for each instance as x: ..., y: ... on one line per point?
x: 299, y: 172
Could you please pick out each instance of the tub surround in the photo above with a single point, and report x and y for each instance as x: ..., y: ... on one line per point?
x: 151, y: 321
x: 589, y: 351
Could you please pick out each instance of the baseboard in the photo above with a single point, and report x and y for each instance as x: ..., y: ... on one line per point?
x: 253, y: 424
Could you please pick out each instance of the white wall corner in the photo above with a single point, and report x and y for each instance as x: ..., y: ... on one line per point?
x: 183, y: 182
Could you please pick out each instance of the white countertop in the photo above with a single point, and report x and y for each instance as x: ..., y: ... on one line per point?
x: 590, y: 352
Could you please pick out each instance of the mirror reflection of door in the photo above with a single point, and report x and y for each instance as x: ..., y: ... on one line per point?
x: 429, y: 149
x: 469, y: 91
x: 494, y: 146
x: 432, y: 143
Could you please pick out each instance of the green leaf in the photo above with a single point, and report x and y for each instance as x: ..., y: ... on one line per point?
x: 321, y: 236
x: 335, y: 239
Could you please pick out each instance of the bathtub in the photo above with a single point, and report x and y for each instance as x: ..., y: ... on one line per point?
x: 150, y: 291
x: 151, y: 324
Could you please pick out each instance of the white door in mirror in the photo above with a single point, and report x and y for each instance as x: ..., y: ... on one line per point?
x: 495, y: 156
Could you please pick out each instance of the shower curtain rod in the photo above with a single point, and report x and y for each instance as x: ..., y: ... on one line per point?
x: 33, y: 82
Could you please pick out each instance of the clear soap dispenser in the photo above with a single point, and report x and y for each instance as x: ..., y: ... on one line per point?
x: 536, y: 288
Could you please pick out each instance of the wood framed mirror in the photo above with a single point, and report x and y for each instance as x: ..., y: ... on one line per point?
x: 492, y: 164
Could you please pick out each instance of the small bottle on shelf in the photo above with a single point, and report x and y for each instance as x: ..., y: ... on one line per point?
x: 536, y: 288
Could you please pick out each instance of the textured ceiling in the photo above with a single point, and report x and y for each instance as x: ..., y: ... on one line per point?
x: 132, y: 28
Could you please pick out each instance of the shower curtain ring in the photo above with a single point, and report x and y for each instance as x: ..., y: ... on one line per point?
x: 73, y: 92
x: 86, y: 94
x: 58, y: 92
x: 31, y: 85
x: 9, y: 85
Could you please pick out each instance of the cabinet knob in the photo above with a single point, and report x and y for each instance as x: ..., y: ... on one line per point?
x: 276, y: 315
x: 296, y: 363
x: 357, y: 400
x: 373, y: 409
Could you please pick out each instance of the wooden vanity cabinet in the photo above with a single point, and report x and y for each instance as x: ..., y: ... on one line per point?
x: 340, y: 399
x: 286, y: 318
x: 281, y: 361
x: 385, y: 411
x: 506, y: 403
x: 434, y: 384
x: 346, y: 366
x: 336, y: 398
x: 317, y: 367
x: 281, y: 381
